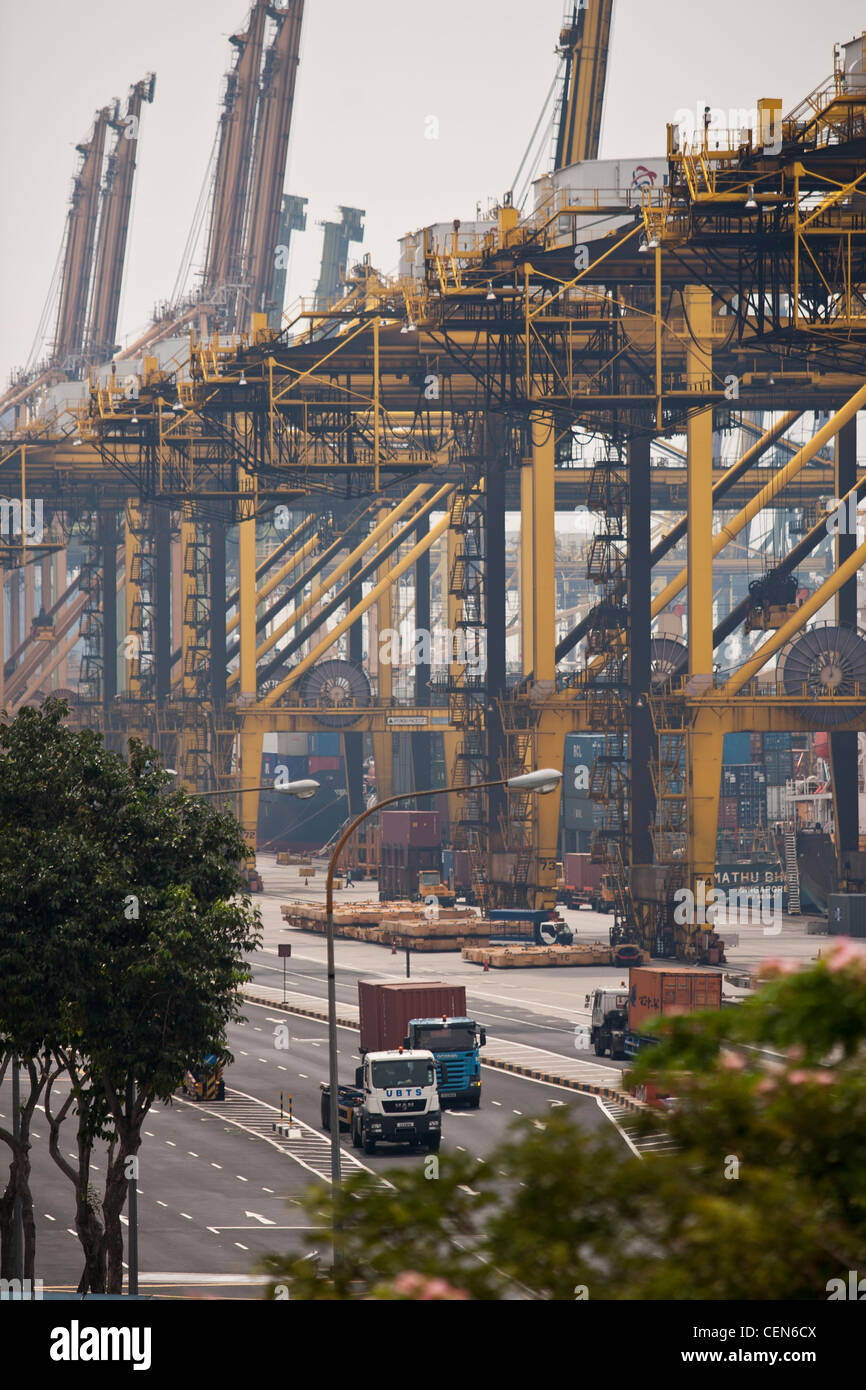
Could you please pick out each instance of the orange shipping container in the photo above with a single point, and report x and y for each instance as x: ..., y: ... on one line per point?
x: 658, y: 990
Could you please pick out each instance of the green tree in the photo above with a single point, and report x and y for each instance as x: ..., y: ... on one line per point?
x: 130, y: 900
x: 762, y: 1196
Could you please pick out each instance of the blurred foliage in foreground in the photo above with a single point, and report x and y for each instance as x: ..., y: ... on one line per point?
x: 763, y: 1198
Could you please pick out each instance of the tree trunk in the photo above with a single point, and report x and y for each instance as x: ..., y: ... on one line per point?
x: 112, y: 1206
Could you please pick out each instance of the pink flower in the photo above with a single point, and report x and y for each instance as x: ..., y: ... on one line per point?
x: 778, y: 966
x: 843, y: 955
x: 766, y: 1086
x: 731, y: 1061
x: 409, y: 1282
x: 817, y: 1076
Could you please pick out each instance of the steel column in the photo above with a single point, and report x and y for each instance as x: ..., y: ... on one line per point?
x: 844, y: 760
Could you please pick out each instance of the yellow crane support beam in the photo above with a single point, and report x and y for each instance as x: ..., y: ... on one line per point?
x: 770, y: 490
x: 358, y: 611
x: 378, y: 532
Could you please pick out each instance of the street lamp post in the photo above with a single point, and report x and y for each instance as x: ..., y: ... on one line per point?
x: 541, y: 781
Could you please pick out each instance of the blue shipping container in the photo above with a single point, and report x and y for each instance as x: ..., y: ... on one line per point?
x: 737, y: 748
x: 325, y: 745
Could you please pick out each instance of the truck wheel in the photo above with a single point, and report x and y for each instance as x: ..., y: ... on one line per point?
x: 599, y: 1047
x: 326, y: 1114
x: 369, y: 1143
x: 356, y: 1136
x: 475, y: 1101
x: 433, y: 1145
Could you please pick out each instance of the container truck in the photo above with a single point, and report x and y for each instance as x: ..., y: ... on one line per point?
x: 395, y: 1100
x: 653, y: 991
x: 395, y: 1013
x: 585, y: 884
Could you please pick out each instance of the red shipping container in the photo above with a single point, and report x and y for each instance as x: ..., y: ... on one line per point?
x: 324, y: 764
x: 580, y: 872
x: 386, y: 1006
x: 420, y: 828
x: 727, y: 813
x: 756, y: 747
x: 656, y: 990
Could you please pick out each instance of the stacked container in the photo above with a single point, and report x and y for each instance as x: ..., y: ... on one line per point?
x: 411, y: 841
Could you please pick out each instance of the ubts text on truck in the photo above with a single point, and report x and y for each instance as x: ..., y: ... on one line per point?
x: 394, y: 1101
x: 652, y: 992
x: 429, y: 1016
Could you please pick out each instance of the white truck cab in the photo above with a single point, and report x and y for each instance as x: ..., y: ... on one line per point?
x: 398, y: 1100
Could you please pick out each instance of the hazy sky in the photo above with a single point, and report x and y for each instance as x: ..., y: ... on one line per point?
x: 370, y: 76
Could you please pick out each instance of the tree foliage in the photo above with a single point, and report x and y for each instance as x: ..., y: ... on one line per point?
x: 122, y: 933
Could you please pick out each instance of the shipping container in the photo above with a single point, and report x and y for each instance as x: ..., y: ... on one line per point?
x: 386, y: 1007
x: 777, y: 805
x: 293, y: 745
x: 756, y: 751
x: 325, y: 745
x: 324, y: 763
x: 777, y: 741
x: 411, y: 828
x: 295, y: 767
x: 736, y: 749
x: 778, y: 766
x: 751, y: 812
x: 846, y: 914
x: 658, y: 991
x: 578, y: 871
x: 462, y: 869
x: 580, y: 814
x: 727, y: 813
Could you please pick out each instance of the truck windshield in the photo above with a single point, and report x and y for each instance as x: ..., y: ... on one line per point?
x: 446, y: 1039
x: 402, y: 1071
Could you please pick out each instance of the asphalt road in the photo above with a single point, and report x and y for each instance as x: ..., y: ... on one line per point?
x: 218, y: 1190
x: 502, y: 1018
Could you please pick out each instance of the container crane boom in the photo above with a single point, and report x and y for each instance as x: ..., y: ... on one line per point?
x: 114, y: 225
x: 78, y: 257
x: 269, y: 159
x: 583, y: 44
x: 225, y: 239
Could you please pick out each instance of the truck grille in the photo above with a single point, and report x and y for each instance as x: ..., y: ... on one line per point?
x: 392, y: 1107
x: 453, y: 1075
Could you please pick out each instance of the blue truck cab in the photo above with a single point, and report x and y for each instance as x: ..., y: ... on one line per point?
x: 454, y: 1043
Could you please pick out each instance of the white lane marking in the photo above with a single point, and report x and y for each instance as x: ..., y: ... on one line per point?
x: 216, y: 1165
x: 240, y: 1179
x: 241, y: 1247
x: 279, y: 1068
x: 303, y: 1075
x: 186, y: 1218
x: 149, y: 1133
x: 49, y: 1218
x: 171, y: 1143
x: 268, y: 1189
x: 261, y: 1059
x: 245, y: 1054
x: 265, y: 1220
x: 191, y: 1154
x: 161, y: 1204
x: 496, y: 1102
x: 517, y: 1112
